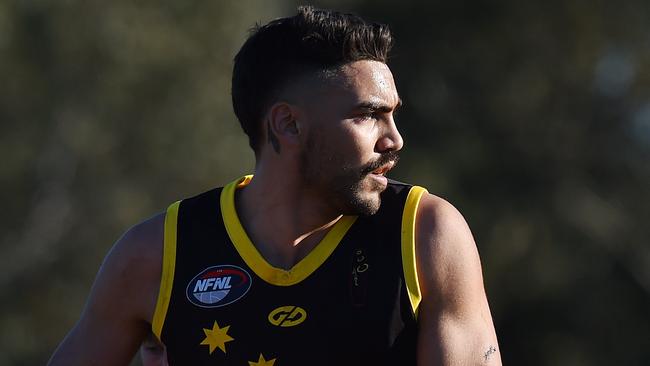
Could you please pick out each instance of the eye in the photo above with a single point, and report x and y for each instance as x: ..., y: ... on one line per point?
x: 366, y: 116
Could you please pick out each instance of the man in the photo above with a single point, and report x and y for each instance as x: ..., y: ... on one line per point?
x: 318, y: 259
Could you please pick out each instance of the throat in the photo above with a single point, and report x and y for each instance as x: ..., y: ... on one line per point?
x: 285, y: 255
x: 283, y: 232
x: 285, y: 252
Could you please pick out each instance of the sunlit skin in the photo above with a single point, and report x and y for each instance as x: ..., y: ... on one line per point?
x: 352, y: 126
x: 327, y: 134
x: 330, y: 132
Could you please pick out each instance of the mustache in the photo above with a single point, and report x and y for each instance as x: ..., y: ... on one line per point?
x: 385, y: 158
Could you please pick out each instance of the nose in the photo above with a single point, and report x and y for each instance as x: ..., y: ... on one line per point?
x: 391, y: 139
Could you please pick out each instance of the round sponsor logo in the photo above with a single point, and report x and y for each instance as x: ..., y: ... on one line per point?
x: 218, y: 286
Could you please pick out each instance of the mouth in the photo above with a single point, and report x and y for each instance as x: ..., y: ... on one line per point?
x: 382, y: 170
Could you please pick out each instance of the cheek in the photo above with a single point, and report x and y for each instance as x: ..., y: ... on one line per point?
x: 350, y: 147
x: 362, y: 141
x: 347, y: 144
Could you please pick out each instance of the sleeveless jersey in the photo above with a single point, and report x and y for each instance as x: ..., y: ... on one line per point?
x: 351, y: 301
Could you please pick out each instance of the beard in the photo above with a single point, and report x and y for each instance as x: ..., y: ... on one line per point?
x: 343, y: 184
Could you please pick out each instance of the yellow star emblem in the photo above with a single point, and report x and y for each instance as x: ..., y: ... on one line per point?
x: 262, y: 362
x: 216, y: 337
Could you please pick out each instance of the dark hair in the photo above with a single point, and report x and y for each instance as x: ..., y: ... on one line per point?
x: 286, y: 49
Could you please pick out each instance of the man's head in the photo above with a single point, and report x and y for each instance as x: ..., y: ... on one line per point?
x: 311, y: 44
x: 351, y: 137
x: 313, y: 92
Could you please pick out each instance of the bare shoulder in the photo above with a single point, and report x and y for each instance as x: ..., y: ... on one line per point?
x: 140, y: 246
x: 135, y: 264
x: 436, y: 213
x: 445, y: 244
x: 121, y: 303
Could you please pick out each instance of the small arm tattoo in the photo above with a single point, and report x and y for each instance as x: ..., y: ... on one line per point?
x: 489, y: 353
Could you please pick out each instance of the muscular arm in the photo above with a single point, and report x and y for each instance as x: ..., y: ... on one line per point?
x: 454, y: 317
x: 118, y: 312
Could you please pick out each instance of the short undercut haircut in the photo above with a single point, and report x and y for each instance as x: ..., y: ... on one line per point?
x: 286, y: 49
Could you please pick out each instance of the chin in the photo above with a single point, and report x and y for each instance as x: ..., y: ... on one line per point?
x: 356, y: 196
x: 363, y: 204
x: 365, y: 198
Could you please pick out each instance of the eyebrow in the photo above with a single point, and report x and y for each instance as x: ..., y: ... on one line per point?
x: 378, y: 107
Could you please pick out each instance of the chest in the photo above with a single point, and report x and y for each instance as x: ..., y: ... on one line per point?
x: 351, y: 308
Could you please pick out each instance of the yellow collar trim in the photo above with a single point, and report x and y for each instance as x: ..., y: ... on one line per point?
x: 253, y: 258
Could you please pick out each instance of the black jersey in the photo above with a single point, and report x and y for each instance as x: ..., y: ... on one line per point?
x: 351, y: 301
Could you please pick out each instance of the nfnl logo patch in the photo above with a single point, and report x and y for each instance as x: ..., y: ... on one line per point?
x: 218, y: 286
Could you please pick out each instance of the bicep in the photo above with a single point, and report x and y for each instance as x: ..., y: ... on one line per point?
x: 456, y: 338
x: 454, y: 316
x: 117, y: 314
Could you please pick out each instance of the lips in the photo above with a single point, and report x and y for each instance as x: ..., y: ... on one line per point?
x: 382, y: 165
x: 382, y: 170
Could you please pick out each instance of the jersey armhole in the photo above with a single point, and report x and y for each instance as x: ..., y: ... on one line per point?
x: 409, y: 264
x: 168, y: 265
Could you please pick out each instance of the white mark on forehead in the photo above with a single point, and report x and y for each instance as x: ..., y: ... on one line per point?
x: 383, y: 89
x: 380, y: 78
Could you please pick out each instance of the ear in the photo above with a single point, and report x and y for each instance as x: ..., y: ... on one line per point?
x: 281, y: 125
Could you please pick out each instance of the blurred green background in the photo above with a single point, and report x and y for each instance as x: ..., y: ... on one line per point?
x: 532, y: 117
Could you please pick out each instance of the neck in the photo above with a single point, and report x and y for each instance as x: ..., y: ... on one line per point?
x: 284, y: 219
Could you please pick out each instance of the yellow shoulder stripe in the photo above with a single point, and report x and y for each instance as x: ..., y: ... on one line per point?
x: 409, y: 264
x: 168, y: 264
